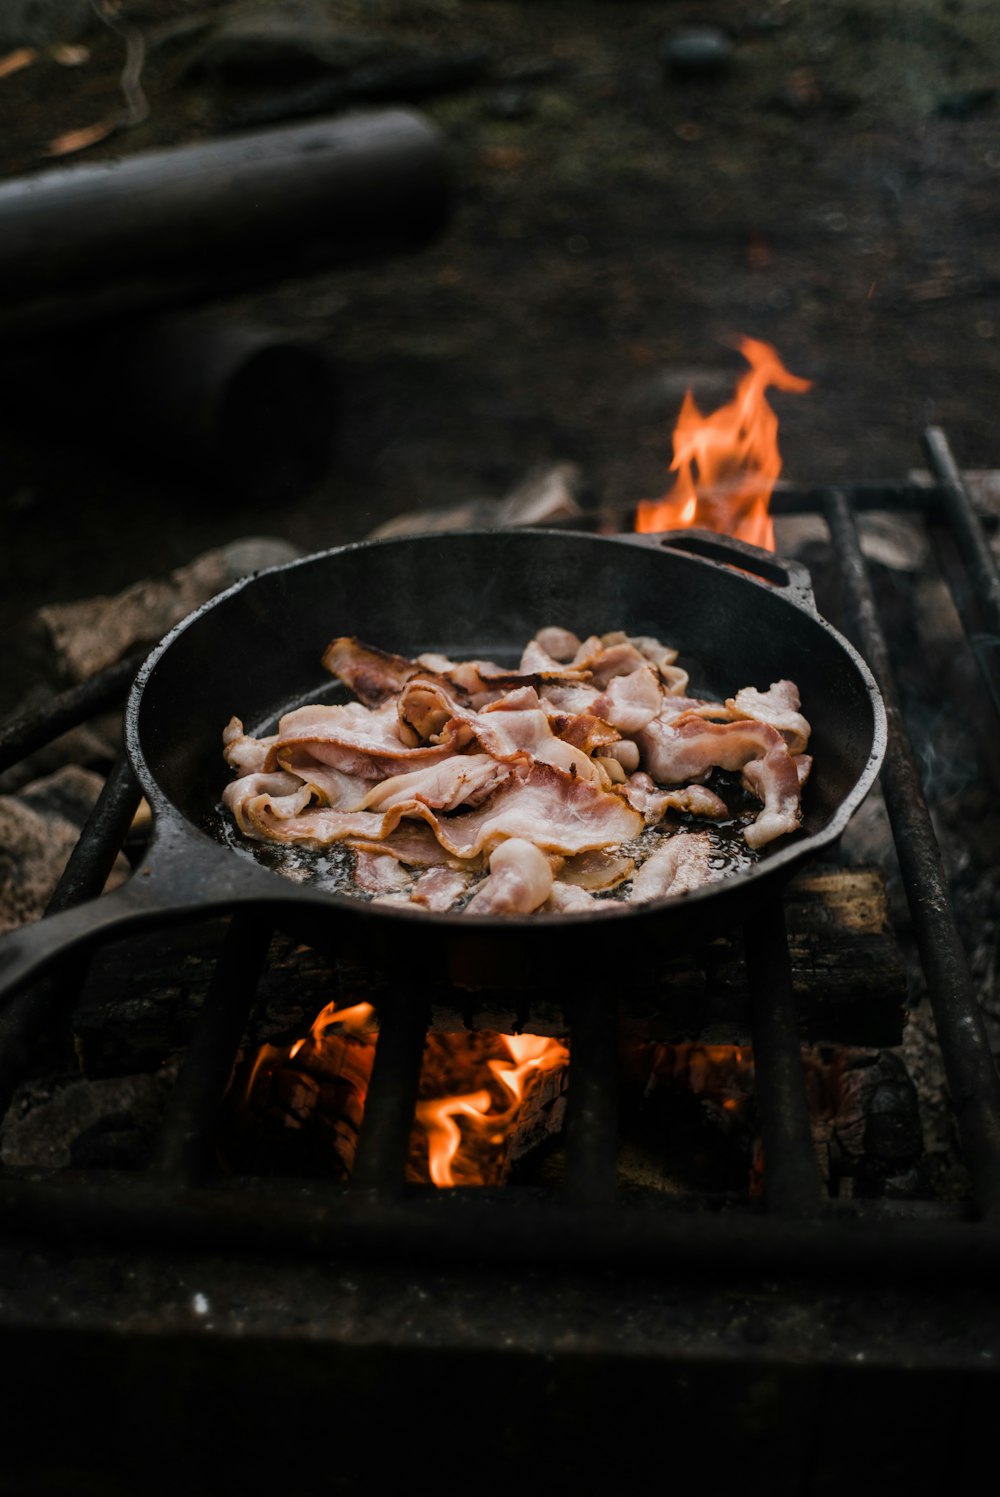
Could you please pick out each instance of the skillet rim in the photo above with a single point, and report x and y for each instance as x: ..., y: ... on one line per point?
x: 775, y: 868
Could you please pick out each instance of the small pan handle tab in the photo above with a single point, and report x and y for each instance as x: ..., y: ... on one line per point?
x: 791, y: 576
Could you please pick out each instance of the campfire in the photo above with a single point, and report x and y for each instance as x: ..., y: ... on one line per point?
x: 485, y: 1100
x: 727, y: 463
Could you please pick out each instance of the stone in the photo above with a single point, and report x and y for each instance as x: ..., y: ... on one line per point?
x: 109, y: 1123
x: 39, y: 828
x: 88, y: 635
x: 546, y: 494
x: 696, y: 52
x: 286, y: 45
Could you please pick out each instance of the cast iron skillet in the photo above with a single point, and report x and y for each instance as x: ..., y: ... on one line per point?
x: 738, y: 615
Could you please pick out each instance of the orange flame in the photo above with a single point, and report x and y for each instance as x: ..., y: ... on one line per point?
x: 734, y: 452
x: 531, y: 1053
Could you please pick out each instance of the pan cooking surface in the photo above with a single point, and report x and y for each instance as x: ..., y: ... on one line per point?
x: 255, y: 653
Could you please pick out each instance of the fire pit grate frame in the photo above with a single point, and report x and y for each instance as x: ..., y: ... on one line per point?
x: 177, y: 1199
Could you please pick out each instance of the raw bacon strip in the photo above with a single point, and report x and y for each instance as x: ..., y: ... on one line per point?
x: 512, y: 730
x: 779, y: 706
x: 625, y: 752
x: 585, y: 732
x: 439, y: 888
x: 681, y: 864
x: 654, y: 803
x: 378, y: 873
x: 426, y: 706
x: 571, y: 899
x: 596, y: 870
x: 630, y: 701
x: 260, y: 818
x: 414, y: 844
x: 520, y: 879
x: 464, y: 779
x: 774, y: 780
x: 281, y: 796
x: 242, y: 752
x: 690, y: 748
x: 373, y: 675
x: 556, y: 811
x: 560, y: 644
x: 354, y: 739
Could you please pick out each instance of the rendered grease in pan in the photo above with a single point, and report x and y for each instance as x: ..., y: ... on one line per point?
x: 332, y: 870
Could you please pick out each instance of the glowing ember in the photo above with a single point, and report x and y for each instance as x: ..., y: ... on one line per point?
x: 727, y: 463
x: 467, y: 1152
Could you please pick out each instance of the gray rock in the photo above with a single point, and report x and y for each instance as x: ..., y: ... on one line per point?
x: 107, y: 1123
x: 33, y: 853
x: 696, y: 52
x: 88, y: 635
x: 38, y: 830
x: 282, y: 47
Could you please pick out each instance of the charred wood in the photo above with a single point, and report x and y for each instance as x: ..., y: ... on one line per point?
x: 143, y: 995
x: 88, y: 244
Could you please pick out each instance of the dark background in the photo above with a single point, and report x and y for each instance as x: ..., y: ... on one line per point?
x: 833, y: 190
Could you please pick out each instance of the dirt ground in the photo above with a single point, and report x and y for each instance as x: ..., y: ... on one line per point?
x: 833, y: 190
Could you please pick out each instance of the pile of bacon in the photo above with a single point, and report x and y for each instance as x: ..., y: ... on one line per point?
x: 465, y: 785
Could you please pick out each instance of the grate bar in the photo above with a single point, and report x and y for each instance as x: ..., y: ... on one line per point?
x: 791, y: 1179
x: 958, y: 509
x: 93, y: 857
x: 24, y: 1018
x: 591, y: 1127
x: 22, y: 735
x: 471, y: 1226
x: 972, y: 1076
x: 980, y: 612
x: 185, y: 1145
x: 392, y: 1095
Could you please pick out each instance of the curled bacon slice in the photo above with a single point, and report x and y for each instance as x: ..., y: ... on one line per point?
x: 520, y: 879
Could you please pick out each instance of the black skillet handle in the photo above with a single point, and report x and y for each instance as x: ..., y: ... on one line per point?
x: 177, y: 881
x: 791, y: 576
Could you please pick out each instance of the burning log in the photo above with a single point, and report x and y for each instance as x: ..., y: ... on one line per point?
x: 299, y: 1110
x: 518, y: 1102
x: 485, y: 1102
x: 98, y: 242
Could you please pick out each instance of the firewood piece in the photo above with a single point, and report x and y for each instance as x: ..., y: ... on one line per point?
x: 142, y: 996
x: 458, y: 1064
x: 299, y: 1114
x: 144, y: 993
x: 848, y: 973
x: 90, y: 243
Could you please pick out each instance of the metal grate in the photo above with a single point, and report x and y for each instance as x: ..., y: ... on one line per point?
x: 584, y: 1222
